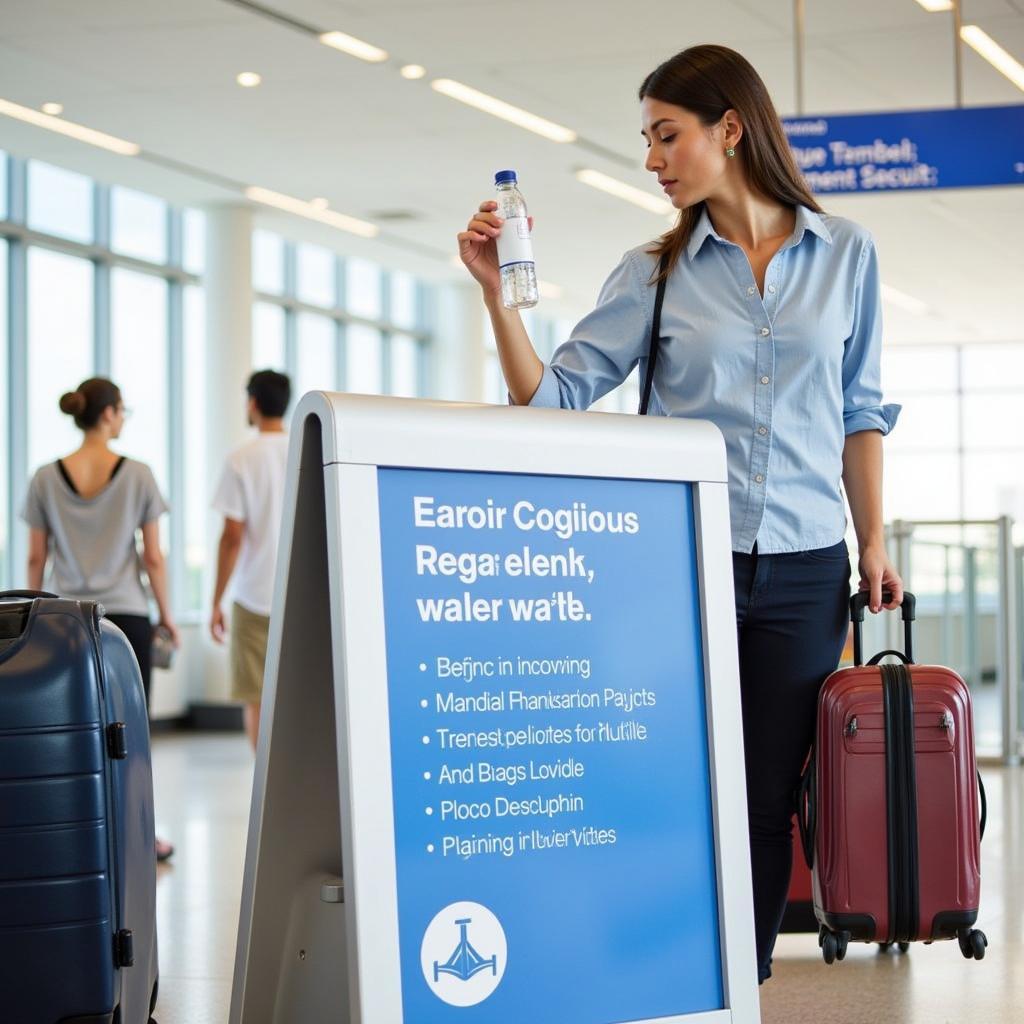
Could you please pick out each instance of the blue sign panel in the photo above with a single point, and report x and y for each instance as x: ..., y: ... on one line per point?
x: 965, y: 147
x: 553, y: 826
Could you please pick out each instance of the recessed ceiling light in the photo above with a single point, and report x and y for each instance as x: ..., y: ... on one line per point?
x: 548, y: 290
x: 320, y: 203
x: 936, y: 5
x: 981, y: 42
x: 499, y: 108
x: 69, y: 128
x: 412, y: 71
x: 53, y: 109
x: 354, y: 47
x: 303, y: 209
x: 248, y: 79
x: 621, y: 190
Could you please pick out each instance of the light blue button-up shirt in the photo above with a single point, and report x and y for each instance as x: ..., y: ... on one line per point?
x: 785, y: 376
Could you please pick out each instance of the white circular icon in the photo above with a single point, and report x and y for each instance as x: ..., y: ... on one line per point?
x: 463, y: 954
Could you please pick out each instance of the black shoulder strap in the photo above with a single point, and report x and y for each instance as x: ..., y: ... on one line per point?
x: 652, y: 351
x: 67, y: 476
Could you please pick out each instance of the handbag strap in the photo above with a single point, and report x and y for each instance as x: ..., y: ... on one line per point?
x: 652, y: 351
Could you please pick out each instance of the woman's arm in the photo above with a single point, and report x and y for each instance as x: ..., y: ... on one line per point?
x: 38, y: 548
x: 519, y: 361
x: 156, y: 570
x: 862, y: 478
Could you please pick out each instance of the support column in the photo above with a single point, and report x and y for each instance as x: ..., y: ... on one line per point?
x: 229, y: 298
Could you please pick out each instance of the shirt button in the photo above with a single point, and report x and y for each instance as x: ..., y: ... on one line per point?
x: 764, y: 380
x: 771, y: 288
x: 762, y: 431
x: 759, y: 478
x: 751, y: 290
x: 765, y: 332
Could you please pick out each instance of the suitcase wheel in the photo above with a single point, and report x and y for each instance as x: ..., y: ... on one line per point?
x: 833, y: 944
x: 972, y: 944
x: 884, y: 947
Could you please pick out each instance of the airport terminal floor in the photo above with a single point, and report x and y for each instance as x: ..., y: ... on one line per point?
x: 202, y: 792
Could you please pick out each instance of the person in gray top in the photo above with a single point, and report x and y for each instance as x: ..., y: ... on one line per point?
x: 84, y: 512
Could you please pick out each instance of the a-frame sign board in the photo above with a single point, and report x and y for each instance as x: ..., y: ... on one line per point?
x: 502, y: 706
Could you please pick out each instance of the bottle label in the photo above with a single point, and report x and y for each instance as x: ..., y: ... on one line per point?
x: 514, y: 244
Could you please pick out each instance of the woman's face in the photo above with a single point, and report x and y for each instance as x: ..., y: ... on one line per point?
x: 688, y: 157
x: 116, y: 414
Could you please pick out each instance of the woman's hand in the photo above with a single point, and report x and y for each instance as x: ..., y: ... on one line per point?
x: 478, y: 246
x: 877, y: 574
x: 172, y: 630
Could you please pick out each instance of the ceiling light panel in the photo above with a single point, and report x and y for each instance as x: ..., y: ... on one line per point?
x: 312, y: 211
x: 413, y: 71
x: 354, y: 47
x: 499, y: 108
x: 936, y: 5
x: 622, y: 190
x: 248, y: 79
x: 69, y: 128
x: 982, y: 43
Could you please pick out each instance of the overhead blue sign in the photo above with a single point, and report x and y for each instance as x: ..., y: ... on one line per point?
x: 554, y: 837
x: 966, y: 147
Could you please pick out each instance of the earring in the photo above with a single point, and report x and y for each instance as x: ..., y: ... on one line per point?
x: 730, y: 152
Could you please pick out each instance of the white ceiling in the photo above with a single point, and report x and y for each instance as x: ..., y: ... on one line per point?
x: 324, y: 124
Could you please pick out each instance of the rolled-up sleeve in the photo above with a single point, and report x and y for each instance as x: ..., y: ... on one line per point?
x: 862, y: 357
x: 604, y: 346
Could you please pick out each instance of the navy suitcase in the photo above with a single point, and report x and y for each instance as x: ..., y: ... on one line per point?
x: 77, y: 860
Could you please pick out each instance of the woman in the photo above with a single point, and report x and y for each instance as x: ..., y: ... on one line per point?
x: 771, y: 328
x: 85, y: 510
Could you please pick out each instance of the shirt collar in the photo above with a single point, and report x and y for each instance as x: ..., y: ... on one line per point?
x: 806, y: 220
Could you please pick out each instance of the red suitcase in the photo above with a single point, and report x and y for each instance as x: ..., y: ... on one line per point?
x: 889, y: 804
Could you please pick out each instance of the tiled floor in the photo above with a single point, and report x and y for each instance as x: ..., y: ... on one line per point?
x: 203, y: 786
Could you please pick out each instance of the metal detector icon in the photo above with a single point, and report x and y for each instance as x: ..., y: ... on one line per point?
x: 465, y: 961
x: 462, y: 976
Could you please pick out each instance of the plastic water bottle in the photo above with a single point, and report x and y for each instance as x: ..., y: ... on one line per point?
x: 515, y: 250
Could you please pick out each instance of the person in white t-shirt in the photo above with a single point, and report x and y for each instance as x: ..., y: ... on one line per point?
x: 250, y: 496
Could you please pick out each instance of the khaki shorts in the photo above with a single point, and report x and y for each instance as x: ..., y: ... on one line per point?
x: 248, y: 653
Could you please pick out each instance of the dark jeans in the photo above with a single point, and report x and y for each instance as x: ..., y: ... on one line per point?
x: 139, y: 631
x: 792, y: 615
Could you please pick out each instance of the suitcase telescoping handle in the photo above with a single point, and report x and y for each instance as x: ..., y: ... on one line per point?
x: 858, y: 604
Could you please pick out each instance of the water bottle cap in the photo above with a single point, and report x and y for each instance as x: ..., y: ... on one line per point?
x: 504, y: 176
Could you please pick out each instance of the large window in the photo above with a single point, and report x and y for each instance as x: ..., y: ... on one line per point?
x: 336, y: 324
x: 138, y: 225
x: 957, y: 451
x: 60, y: 348
x: 193, y: 410
x: 4, y: 526
x: 139, y: 366
x: 268, y: 345
x: 131, y: 310
x: 59, y: 202
x: 317, y: 362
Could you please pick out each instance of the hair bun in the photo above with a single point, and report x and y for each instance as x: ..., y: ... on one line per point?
x: 73, y: 403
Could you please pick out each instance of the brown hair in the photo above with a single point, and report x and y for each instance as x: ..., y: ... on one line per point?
x: 88, y: 403
x: 708, y: 80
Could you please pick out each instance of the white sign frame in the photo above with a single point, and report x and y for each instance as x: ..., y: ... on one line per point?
x: 322, y: 794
